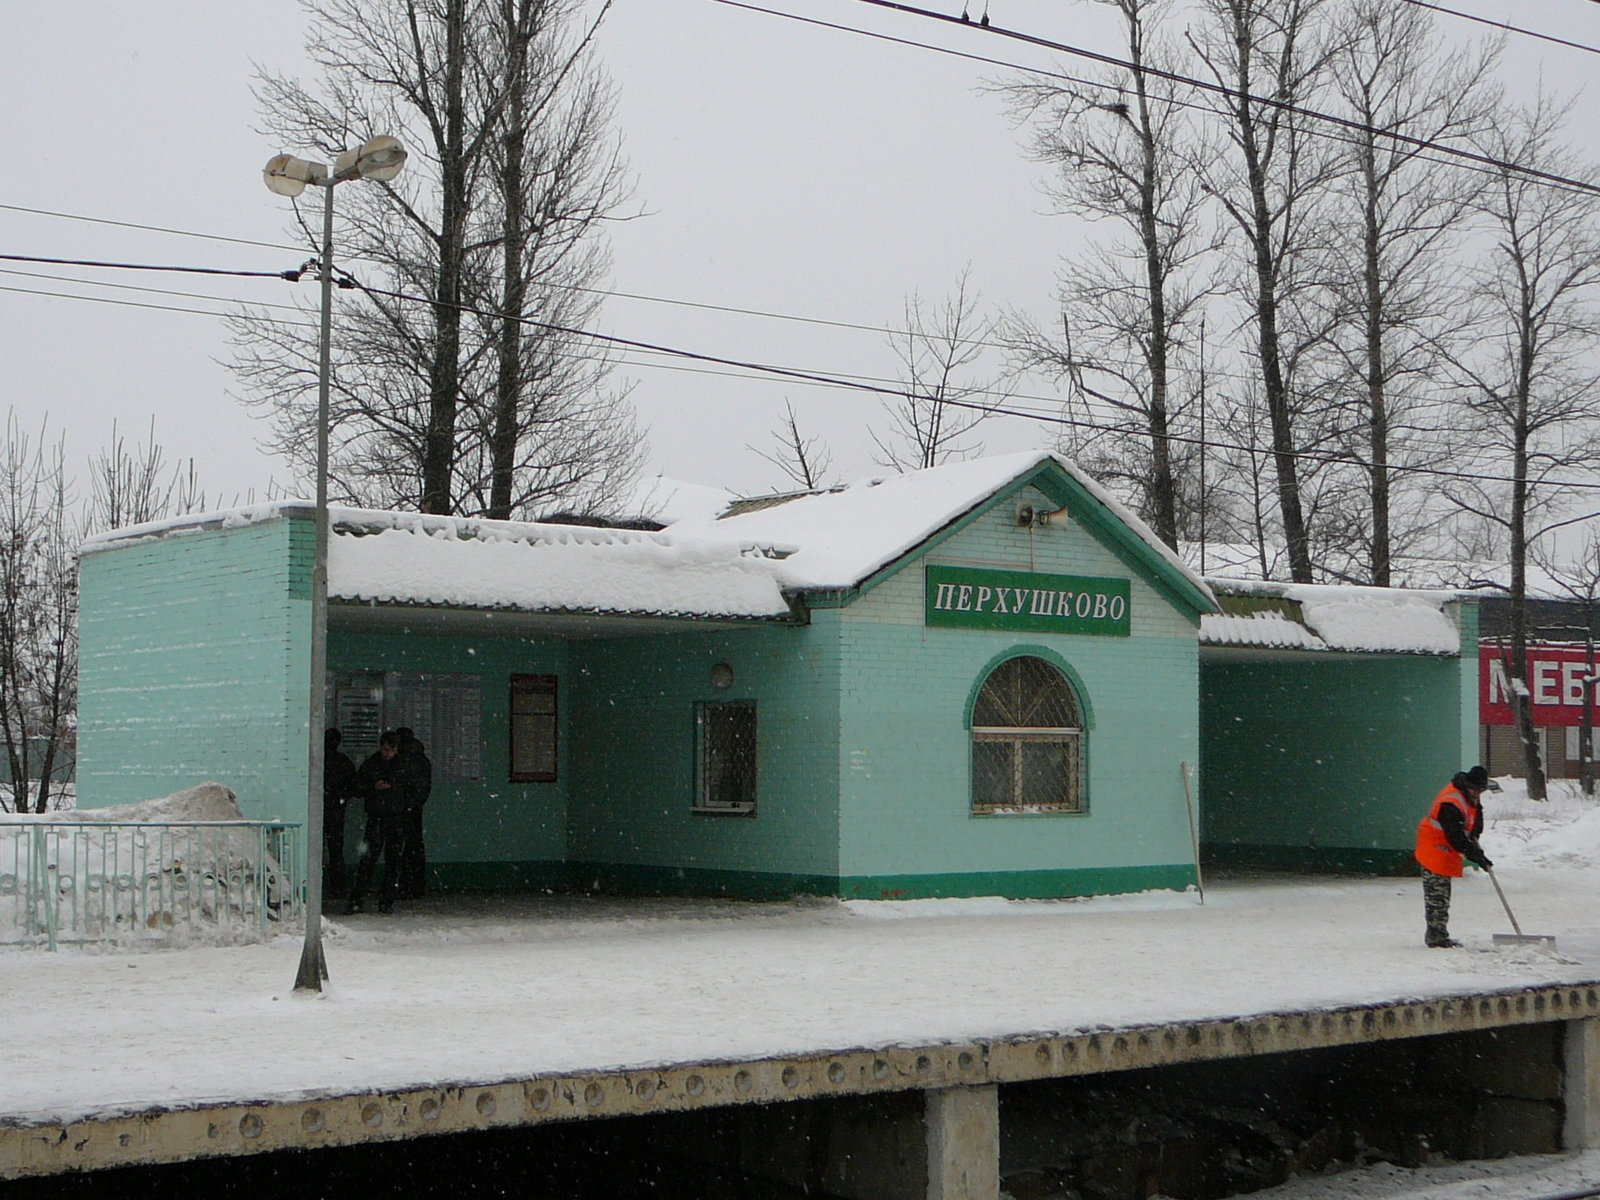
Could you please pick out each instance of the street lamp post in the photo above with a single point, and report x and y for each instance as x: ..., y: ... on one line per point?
x: 379, y: 159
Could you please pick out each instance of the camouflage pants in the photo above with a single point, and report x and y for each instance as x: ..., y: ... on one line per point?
x: 1436, y: 906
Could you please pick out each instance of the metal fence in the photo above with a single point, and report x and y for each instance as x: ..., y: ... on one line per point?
x: 168, y: 882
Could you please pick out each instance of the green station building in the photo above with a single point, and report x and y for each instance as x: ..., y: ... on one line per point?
x: 986, y: 678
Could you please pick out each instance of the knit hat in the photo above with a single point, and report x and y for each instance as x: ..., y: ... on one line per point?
x: 1478, y: 777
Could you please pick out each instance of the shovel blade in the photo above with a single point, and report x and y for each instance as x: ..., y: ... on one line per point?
x: 1524, y: 939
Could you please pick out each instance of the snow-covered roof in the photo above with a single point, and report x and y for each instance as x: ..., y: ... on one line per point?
x: 1331, y: 617
x: 1261, y: 630
x: 840, y: 537
x: 412, y: 559
x: 666, y: 501
x: 736, y: 565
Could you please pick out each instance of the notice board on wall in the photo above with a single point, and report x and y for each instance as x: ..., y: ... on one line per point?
x: 445, y: 712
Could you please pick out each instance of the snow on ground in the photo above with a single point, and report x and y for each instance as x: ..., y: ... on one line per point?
x: 483, y: 988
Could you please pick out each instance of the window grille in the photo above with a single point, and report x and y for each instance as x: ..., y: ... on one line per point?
x: 1027, y: 741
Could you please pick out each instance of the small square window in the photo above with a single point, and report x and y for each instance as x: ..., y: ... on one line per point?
x: 533, y: 728
x: 725, y: 752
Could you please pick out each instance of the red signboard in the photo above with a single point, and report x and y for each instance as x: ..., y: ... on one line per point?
x: 1556, y: 684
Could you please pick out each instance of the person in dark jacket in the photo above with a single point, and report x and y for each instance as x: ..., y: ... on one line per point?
x: 338, y: 788
x: 417, y: 770
x: 382, y: 785
x: 1446, y: 837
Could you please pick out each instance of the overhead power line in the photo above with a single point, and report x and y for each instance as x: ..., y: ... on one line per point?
x: 811, y: 377
x: 874, y: 385
x: 212, y: 237
x: 292, y: 276
x: 1105, y: 366
x: 1498, y: 165
x: 1503, y: 25
x: 203, y: 312
x: 247, y: 311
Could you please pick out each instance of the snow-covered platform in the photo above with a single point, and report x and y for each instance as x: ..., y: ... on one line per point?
x: 471, y: 1013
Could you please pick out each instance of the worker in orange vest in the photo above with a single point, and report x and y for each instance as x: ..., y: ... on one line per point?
x: 1447, y: 836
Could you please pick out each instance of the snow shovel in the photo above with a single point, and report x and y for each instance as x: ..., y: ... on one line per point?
x: 1518, y: 938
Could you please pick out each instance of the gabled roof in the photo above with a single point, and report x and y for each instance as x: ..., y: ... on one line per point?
x: 846, y: 538
x: 1329, y: 617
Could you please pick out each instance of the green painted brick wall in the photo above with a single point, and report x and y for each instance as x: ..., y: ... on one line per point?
x: 634, y: 747
x: 905, y: 751
x: 489, y: 820
x: 1325, y: 761
x: 194, y: 666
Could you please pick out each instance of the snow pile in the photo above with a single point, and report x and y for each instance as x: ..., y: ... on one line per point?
x: 182, y: 869
x: 203, y: 802
x: 1562, y: 831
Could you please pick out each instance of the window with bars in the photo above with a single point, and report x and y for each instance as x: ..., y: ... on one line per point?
x: 1027, y: 741
x: 725, y: 757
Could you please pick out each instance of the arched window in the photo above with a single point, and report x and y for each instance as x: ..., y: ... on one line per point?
x: 1027, y: 741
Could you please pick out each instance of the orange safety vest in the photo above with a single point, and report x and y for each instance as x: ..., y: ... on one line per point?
x: 1434, y: 850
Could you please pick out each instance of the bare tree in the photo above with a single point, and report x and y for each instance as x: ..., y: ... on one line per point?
x: 462, y: 380
x: 1269, y: 55
x: 804, y: 461
x: 1400, y: 215
x: 1530, y: 390
x: 938, y: 349
x: 1124, y: 153
x: 38, y: 611
x: 129, y: 486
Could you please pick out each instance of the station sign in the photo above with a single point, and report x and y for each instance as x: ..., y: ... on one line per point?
x: 973, y: 598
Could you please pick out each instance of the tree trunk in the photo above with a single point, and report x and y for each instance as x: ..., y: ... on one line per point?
x: 514, y: 16
x: 444, y: 381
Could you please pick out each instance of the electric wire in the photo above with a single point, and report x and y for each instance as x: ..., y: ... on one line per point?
x: 1504, y: 25
x: 1097, y: 84
x: 202, y: 312
x: 1104, y: 86
x: 875, y: 385
x: 211, y: 237
x: 235, y: 301
x: 1114, y: 414
x: 1481, y: 161
x: 790, y: 373
x: 1087, y: 395
x: 291, y: 276
x: 1102, y: 365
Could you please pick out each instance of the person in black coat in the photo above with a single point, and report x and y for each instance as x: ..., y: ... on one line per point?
x: 417, y: 770
x: 382, y: 785
x: 338, y: 788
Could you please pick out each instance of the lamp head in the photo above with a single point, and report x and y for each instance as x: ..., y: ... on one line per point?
x: 378, y: 159
x: 288, y: 176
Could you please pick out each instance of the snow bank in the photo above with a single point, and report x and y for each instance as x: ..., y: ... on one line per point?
x: 184, y: 869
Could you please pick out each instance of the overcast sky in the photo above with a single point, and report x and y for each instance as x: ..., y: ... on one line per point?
x: 781, y: 167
